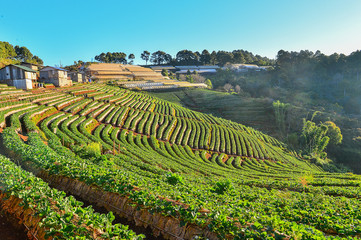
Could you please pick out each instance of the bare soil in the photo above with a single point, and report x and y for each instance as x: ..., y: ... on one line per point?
x: 11, y: 230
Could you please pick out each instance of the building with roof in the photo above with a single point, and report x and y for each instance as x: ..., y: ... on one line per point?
x: 141, y: 73
x: 18, y: 76
x: 33, y: 66
x: 107, y: 71
x: 134, y: 77
x: 185, y: 69
x: 198, y: 69
x: 76, y: 77
x: 55, y: 75
x: 159, y: 69
x: 115, y: 71
x: 243, y: 68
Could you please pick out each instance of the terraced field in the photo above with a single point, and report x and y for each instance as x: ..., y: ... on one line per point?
x: 181, y: 173
x: 254, y: 112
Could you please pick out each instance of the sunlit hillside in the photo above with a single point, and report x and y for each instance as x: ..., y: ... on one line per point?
x: 180, y: 173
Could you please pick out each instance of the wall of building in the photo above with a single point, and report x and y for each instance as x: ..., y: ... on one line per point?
x: 31, y: 66
x: 79, y: 77
x: 11, y: 72
x: 30, y: 75
x: 76, y: 77
x: 17, y: 77
x: 52, y: 74
x: 58, y: 78
x: 23, y: 83
x: 4, y: 73
x: 9, y: 82
x: 17, y: 73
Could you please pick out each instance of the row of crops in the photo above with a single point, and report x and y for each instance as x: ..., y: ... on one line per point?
x: 47, y: 212
x: 153, y: 117
x: 184, y: 174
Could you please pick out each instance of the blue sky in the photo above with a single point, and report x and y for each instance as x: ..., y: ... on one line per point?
x: 65, y: 31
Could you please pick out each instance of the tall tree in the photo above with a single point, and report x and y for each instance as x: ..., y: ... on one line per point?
x: 120, y: 57
x: 110, y: 57
x: 314, y: 138
x: 115, y: 57
x: 198, y: 57
x: 213, y: 58
x: 7, y: 50
x: 186, y: 57
x: 131, y: 58
x: 145, y: 56
x: 205, y: 57
x: 334, y: 133
x: 37, y: 60
x: 160, y: 57
x: 281, y: 110
x: 23, y: 53
x: 238, y: 56
x: 224, y: 57
x: 100, y: 57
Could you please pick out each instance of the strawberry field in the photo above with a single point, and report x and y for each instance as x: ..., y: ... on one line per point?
x: 181, y: 173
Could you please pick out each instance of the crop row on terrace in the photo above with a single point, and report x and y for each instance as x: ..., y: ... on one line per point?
x: 197, y: 191
x: 162, y: 122
x: 47, y: 213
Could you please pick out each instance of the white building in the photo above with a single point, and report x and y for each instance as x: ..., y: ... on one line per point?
x: 198, y: 69
x: 245, y: 67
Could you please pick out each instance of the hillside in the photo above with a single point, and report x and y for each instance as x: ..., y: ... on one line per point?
x: 259, y: 114
x: 253, y: 112
x: 181, y: 173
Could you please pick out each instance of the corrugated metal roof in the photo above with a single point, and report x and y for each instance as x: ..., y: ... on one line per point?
x: 162, y: 67
x: 56, y: 68
x: 24, y: 68
x: 39, y: 65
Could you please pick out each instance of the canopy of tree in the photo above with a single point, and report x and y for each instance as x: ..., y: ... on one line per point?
x: 77, y: 65
x: 160, y: 57
x: 302, y: 78
x: 315, y: 138
x: 131, y: 58
x: 335, y: 78
x: 115, y: 57
x: 11, y: 55
x: 145, y: 56
x: 188, y: 57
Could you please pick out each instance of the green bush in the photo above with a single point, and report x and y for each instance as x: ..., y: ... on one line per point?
x: 174, y: 179
x: 91, y: 151
x: 222, y: 187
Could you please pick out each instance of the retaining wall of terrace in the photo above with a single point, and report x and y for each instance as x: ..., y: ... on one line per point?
x: 26, y: 216
x: 168, y: 227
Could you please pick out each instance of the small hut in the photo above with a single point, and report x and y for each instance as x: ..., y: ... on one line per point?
x: 76, y: 77
x: 18, y: 76
x: 56, y: 76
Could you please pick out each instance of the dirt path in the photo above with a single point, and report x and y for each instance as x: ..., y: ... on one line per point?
x: 9, y: 232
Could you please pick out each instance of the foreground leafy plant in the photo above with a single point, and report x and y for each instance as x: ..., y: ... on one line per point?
x: 62, y: 217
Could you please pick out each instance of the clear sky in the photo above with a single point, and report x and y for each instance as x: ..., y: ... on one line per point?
x: 72, y: 30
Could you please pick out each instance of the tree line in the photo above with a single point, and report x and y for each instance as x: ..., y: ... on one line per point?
x: 335, y: 78
x: 12, y: 55
x: 115, y: 57
x: 303, y: 77
x: 187, y: 57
